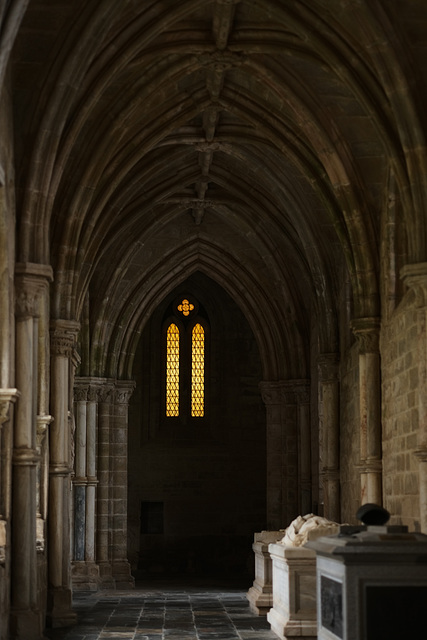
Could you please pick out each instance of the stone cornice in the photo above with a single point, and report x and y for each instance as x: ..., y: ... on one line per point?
x: 285, y: 392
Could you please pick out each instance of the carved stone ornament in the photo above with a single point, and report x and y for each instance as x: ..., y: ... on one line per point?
x: 367, y: 332
x: 123, y: 392
x: 271, y: 392
x: 415, y: 277
x: 80, y: 392
x: 221, y: 60
x: 328, y: 367
x: 6, y: 397
x: 63, y: 337
x: 42, y: 425
x: 30, y: 280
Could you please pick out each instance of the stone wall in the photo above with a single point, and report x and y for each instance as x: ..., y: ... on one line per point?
x: 197, y: 488
x: 400, y: 356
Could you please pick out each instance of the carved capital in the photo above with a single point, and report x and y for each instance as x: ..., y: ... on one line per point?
x: 63, y: 335
x: 30, y: 280
x: 6, y: 397
x: 328, y: 367
x: 415, y: 277
x: 271, y: 392
x: 367, y: 332
x: 301, y: 389
x: 80, y: 392
x: 123, y: 391
x: 43, y: 423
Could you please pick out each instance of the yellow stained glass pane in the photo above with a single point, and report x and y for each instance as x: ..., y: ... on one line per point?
x: 172, y: 371
x: 198, y: 372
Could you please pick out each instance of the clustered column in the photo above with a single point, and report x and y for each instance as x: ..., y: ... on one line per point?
x: 26, y: 621
x: 63, y: 337
x: 7, y: 397
x: 119, y: 443
x: 85, y: 569
x: 329, y: 399
x: 415, y: 277
x: 366, y: 331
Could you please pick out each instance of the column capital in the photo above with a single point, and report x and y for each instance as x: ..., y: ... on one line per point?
x: 367, y: 332
x: 6, y: 397
x: 30, y: 280
x: 272, y: 392
x: 123, y: 390
x: 42, y: 425
x: 63, y: 334
x: 328, y: 367
x: 414, y: 277
x: 81, y: 390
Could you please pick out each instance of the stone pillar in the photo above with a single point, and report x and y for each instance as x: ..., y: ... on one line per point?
x: 301, y: 389
x: 119, y: 478
x: 415, y: 277
x: 103, y: 503
x: 330, y: 471
x: 63, y: 336
x: 85, y: 570
x: 366, y: 331
x: 282, y: 453
x: 26, y: 618
x: 43, y: 423
x: 7, y: 396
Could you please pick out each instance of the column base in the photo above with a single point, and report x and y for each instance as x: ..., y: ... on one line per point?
x: 25, y: 624
x: 260, y: 599
x: 85, y: 576
x: 122, y: 576
x: 106, y: 580
x: 59, y: 609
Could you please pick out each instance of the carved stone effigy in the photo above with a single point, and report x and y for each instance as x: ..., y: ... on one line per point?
x: 260, y: 595
x: 294, y: 577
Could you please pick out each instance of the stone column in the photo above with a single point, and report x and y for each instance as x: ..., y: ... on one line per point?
x: 301, y: 388
x: 43, y: 423
x: 26, y: 618
x: 7, y: 396
x: 85, y: 570
x: 282, y: 453
x: 79, y: 479
x: 330, y: 471
x: 63, y: 336
x: 415, y: 277
x: 119, y: 478
x: 366, y: 331
x: 103, y: 503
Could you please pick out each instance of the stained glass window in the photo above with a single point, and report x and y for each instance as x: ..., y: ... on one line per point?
x: 197, y: 371
x: 172, y: 371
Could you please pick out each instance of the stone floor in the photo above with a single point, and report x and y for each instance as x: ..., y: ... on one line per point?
x: 166, y: 611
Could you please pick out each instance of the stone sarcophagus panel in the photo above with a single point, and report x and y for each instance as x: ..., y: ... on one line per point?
x: 294, y: 592
x: 260, y: 595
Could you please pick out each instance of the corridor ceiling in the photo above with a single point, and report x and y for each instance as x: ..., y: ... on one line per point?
x: 252, y: 140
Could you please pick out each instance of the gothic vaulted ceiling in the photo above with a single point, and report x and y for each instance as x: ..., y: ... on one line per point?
x: 252, y: 140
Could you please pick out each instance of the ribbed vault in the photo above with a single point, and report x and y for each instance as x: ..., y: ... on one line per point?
x: 252, y: 141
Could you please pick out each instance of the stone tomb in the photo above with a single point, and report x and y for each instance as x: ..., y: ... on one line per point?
x: 293, y: 613
x: 371, y: 583
x: 260, y: 595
